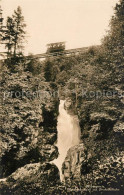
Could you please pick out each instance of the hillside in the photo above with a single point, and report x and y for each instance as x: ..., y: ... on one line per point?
x: 93, y: 82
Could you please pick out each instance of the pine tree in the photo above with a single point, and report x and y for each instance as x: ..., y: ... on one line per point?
x: 8, y: 35
x: 14, y: 35
x: 19, y: 32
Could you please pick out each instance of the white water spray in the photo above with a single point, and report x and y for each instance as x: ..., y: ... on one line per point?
x: 68, y: 134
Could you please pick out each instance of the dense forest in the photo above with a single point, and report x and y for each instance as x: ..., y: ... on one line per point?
x: 93, y: 82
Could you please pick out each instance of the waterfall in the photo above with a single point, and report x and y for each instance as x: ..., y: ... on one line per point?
x: 68, y: 134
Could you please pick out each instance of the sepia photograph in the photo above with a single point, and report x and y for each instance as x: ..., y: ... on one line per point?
x: 61, y: 97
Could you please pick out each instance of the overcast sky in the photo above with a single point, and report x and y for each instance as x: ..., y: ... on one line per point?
x: 78, y: 22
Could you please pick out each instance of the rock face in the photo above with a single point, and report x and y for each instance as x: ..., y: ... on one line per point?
x: 71, y: 167
x: 68, y: 104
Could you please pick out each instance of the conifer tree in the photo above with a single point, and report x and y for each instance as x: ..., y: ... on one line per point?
x: 14, y: 35
x: 8, y: 35
x: 19, y: 31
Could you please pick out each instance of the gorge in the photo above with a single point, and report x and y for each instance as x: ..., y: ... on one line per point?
x: 71, y: 143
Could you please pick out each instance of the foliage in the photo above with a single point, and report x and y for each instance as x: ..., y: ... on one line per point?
x: 85, y: 78
x: 14, y: 35
x: 26, y: 107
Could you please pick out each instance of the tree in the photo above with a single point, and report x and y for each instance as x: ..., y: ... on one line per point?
x: 19, y: 32
x: 114, y: 42
x: 115, y: 38
x: 8, y: 35
x: 14, y: 35
x: 48, y: 71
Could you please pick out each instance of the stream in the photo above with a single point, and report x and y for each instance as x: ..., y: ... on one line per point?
x: 68, y: 134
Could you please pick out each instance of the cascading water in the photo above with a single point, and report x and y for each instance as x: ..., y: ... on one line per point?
x: 68, y: 134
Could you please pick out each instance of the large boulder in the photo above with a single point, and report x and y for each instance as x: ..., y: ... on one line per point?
x: 32, y: 179
x: 71, y: 167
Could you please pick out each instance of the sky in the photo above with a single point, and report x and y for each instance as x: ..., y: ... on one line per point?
x: 78, y: 22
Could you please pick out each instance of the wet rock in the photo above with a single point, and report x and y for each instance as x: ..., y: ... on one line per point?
x: 71, y: 167
x: 68, y: 104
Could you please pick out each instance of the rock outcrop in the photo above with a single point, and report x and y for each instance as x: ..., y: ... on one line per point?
x: 35, y: 178
x: 71, y: 167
